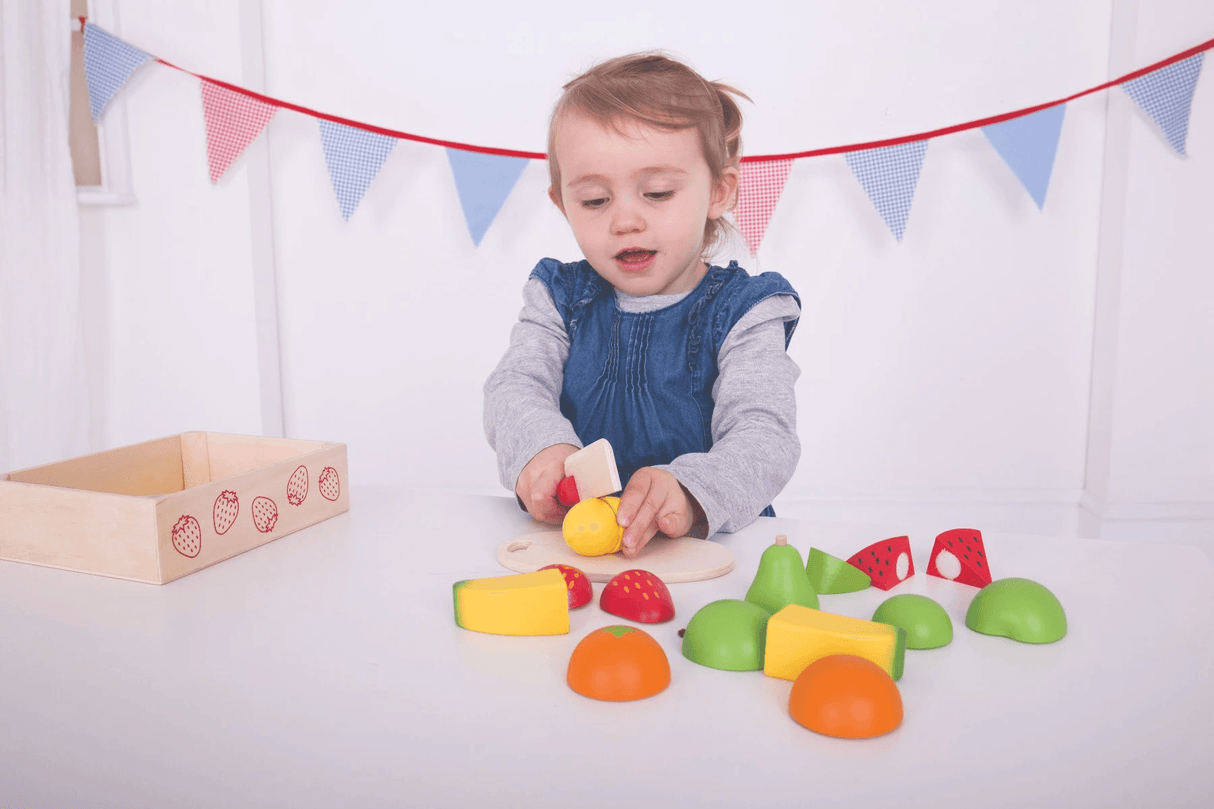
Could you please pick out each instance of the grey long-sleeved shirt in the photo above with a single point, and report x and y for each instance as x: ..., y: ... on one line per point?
x: 754, y: 432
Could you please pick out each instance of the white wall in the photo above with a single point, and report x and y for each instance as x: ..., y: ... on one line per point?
x: 945, y: 379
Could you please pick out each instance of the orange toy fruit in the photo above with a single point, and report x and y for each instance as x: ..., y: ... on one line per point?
x: 846, y: 696
x: 617, y: 664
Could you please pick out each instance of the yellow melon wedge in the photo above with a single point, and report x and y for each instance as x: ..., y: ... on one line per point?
x: 524, y: 604
x: 797, y: 636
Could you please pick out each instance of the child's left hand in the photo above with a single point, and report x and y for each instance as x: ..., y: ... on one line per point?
x: 653, y: 501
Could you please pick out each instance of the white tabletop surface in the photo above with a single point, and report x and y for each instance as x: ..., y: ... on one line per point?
x: 326, y: 669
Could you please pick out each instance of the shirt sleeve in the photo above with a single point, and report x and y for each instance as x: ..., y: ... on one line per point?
x: 522, y: 413
x: 755, y: 447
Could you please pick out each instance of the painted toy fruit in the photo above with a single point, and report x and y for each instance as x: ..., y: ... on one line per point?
x: 265, y: 514
x: 781, y: 579
x: 576, y: 583
x: 590, y: 527
x: 887, y: 562
x: 637, y: 595
x: 227, y: 506
x: 926, y: 623
x: 329, y: 483
x: 960, y: 555
x: 297, y: 486
x: 830, y: 575
x: 187, y: 536
x: 1020, y: 609
x: 618, y: 663
x: 847, y: 697
x: 728, y: 634
x: 566, y: 491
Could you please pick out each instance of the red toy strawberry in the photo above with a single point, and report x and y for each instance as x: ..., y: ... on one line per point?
x: 638, y: 595
x: 576, y: 583
x: 566, y: 492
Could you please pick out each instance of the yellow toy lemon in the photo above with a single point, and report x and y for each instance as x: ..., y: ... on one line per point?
x: 590, y: 527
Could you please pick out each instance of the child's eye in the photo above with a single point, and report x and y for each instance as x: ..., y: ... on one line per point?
x: 660, y: 195
x: 594, y: 203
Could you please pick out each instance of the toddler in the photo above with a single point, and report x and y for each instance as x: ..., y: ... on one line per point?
x: 682, y: 366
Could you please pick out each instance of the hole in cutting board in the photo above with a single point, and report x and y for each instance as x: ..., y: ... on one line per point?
x: 519, y: 545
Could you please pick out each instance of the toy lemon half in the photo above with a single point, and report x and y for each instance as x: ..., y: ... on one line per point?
x: 590, y: 527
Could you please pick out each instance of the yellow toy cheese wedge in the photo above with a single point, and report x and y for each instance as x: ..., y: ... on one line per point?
x: 797, y: 636
x: 524, y: 604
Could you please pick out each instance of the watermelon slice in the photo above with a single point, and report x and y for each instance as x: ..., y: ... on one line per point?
x: 960, y: 556
x: 887, y: 562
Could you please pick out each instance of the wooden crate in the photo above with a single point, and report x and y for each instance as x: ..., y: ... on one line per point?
x: 160, y: 510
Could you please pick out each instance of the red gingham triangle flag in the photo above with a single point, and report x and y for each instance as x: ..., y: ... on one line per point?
x: 759, y: 191
x: 233, y: 120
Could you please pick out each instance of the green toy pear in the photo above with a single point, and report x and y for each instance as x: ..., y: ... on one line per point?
x: 781, y: 580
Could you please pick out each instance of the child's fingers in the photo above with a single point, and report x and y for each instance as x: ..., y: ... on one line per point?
x: 642, y: 525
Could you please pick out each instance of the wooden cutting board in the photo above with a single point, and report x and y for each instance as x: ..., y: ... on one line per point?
x: 671, y: 560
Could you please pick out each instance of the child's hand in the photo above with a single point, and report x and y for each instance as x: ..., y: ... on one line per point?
x: 653, y: 501
x: 536, y: 485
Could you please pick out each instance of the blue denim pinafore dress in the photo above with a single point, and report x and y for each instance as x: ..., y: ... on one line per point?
x: 643, y: 380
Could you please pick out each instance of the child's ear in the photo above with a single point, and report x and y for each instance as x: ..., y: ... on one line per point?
x: 555, y: 196
x: 725, y: 194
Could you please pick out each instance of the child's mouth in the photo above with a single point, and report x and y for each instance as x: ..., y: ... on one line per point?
x: 634, y: 260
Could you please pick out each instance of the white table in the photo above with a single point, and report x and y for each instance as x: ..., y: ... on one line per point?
x: 325, y: 669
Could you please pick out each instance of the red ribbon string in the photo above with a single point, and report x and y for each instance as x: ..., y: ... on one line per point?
x: 854, y: 147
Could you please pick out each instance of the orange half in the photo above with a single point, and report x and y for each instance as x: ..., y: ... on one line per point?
x: 846, y: 696
x: 617, y: 664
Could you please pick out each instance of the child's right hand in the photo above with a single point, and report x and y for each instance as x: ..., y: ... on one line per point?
x: 536, y: 486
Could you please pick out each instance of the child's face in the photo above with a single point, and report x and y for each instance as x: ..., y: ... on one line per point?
x: 638, y: 202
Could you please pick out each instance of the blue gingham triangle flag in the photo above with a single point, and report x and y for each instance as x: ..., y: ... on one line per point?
x: 889, y: 176
x: 108, y: 63
x: 483, y: 181
x: 354, y: 157
x: 1028, y: 145
x: 1167, y: 96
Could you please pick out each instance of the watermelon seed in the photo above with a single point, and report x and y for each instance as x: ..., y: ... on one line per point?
x: 979, y: 563
x: 681, y: 631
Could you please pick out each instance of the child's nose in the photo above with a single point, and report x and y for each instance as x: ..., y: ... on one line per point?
x: 627, y: 218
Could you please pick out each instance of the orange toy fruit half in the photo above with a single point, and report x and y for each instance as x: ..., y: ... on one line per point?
x: 846, y: 696
x: 618, y: 663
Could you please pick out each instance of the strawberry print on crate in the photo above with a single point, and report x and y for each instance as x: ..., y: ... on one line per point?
x: 187, y: 536
x: 330, y: 484
x: 265, y: 514
x: 227, y: 506
x: 297, y: 486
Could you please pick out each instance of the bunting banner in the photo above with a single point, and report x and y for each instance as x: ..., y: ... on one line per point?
x: 108, y: 63
x: 1167, y: 96
x: 483, y: 181
x: 888, y: 170
x: 889, y: 176
x: 233, y: 120
x: 354, y: 157
x: 759, y: 189
x: 1028, y: 145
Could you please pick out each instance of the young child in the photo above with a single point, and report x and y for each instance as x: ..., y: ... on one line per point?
x: 682, y: 366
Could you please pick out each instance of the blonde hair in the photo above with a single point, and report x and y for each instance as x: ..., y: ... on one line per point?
x: 654, y: 89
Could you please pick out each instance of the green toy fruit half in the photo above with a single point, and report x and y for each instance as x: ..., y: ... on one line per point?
x: 926, y: 623
x: 1020, y: 609
x: 728, y: 634
x: 830, y: 575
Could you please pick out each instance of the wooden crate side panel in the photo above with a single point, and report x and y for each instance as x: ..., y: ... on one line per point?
x: 195, y: 459
x: 150, y: 468
x: 79, y: 530
x: 272, y: 502
x: 237, y: 454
